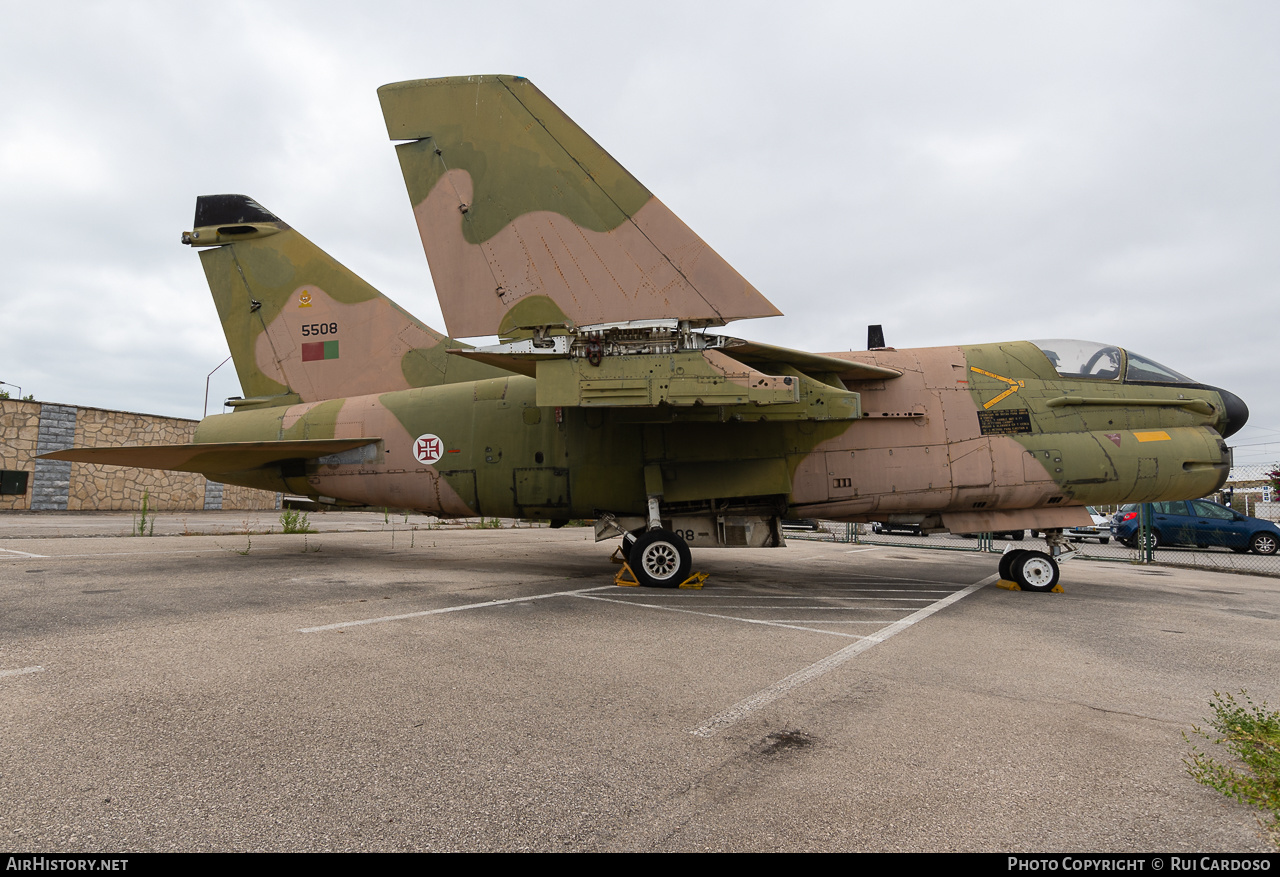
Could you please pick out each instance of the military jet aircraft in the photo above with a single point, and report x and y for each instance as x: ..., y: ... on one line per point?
x: 611, y: 395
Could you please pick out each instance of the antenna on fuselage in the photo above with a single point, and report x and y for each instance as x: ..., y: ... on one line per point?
x: 875, y: 337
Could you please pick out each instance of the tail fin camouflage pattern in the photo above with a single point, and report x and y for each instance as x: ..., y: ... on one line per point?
x: 527, y: 222
x: 301, y: 326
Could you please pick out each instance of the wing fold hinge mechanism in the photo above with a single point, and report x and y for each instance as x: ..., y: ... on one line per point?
x: 689, y: 375
x: 702, y: 383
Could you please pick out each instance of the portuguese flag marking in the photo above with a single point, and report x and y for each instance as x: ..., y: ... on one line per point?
x: 319, y: 350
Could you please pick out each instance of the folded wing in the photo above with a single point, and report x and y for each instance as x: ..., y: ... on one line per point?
x: 527, y: 222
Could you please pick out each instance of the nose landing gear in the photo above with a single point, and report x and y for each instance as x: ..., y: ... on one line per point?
x: 1030, y: 570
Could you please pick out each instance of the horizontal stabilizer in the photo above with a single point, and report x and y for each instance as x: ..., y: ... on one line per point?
x: 210, y: 457
x: 520, y: 363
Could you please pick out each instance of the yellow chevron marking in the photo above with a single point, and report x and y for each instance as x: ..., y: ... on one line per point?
x: 1014, y: 386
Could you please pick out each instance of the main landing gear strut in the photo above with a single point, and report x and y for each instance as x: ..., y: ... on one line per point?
x: 1035, y: 570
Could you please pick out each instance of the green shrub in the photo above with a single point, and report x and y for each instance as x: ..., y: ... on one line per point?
x: 1251, y: 733
x: 294, y: 521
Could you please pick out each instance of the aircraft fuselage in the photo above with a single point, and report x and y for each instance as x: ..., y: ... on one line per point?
x: 978, y: 436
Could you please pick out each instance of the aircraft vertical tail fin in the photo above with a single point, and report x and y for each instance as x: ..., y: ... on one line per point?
x: 528, y: 222
x: 300, y: 325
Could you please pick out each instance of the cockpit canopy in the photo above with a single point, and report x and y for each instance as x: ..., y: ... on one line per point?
x: 1105, y: 362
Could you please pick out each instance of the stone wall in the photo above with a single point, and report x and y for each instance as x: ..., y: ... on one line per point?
x: 31, y: 428
x: 120, y: 487
x: 51, y: 481
x: 19, y: 432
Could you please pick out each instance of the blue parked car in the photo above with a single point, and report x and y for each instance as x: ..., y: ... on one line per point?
x: 1199, y: 523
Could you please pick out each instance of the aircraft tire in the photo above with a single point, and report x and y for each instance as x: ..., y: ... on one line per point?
x: 1006, y: 563
x: 1035, y: 571
x: 661, y: 559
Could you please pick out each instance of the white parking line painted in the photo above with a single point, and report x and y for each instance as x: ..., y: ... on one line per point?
x: 832, y: 621
x: 841, y: 594
x: 835, y: 596
x: 766, y: 696
x: 447, y: 609
x: 215, y: 550
x: 838, y: 557
x: 818, y: 608
x: 21, y: 671
x: 14, y: 551
x: 854, y: 577
x: 586, y: 596
x: 824, y: 606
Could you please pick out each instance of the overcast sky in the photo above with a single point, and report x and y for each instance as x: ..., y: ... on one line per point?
x: 960, y: 172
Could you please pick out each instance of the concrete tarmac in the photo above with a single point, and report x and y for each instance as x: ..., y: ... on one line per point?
x: 455, y: 689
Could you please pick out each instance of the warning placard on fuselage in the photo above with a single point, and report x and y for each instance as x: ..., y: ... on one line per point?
x: 1007, y: 421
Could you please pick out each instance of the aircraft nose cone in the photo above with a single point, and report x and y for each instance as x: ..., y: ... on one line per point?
x: 1235, y: 415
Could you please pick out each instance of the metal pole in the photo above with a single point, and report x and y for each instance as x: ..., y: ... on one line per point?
x: 1148, y: 552
x: 206, y: 386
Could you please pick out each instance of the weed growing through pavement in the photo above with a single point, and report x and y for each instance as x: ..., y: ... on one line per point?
x: 294, y: 521
x: 1251, y: 733
x: 142, y: 525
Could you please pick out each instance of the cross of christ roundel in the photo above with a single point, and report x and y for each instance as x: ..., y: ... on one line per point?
x: 428, y: 448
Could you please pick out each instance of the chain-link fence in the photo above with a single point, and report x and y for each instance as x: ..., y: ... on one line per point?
x: 1234, y: 529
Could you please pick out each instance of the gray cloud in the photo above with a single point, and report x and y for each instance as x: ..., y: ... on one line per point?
x: 959, y: 172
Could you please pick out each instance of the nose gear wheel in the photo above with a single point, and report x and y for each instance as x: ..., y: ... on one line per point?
x: 660, y: 559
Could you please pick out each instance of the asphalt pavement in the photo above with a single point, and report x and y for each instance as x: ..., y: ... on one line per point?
x: 387, y: 685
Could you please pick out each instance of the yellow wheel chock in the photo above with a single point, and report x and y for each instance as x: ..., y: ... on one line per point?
x: 626, y: 577
x: 695, y: 581
x: 1013, y: 586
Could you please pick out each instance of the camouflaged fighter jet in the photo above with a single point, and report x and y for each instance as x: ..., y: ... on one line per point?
x: 608, y: 396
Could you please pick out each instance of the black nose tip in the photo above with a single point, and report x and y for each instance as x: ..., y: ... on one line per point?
x: 1235, y: 415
